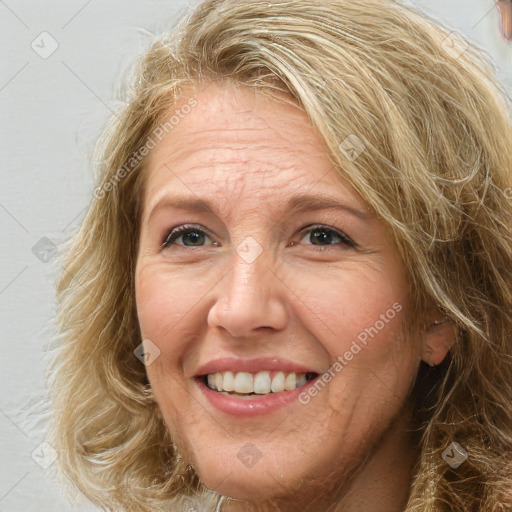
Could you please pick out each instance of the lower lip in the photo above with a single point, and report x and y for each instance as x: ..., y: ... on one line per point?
x: 244, y: 407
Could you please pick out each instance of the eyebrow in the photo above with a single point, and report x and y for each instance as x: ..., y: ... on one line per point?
x: 298, y: 202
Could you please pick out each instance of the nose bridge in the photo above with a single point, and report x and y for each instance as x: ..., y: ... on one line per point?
x: 249, y: 278
x: 250, y: 297
x: 249, y: 288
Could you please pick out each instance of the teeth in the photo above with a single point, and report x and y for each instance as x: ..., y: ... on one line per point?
x: 229, y: 381
x: 243, y: 382
x: 290, y: 381
x: 260, y: 383
x: 218, y: 380
x: 278, y: 382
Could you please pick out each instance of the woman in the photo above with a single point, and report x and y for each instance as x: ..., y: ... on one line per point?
x: 293, y: 286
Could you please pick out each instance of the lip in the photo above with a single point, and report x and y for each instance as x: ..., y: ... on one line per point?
x: 241, y: 407
x: 256, y: 365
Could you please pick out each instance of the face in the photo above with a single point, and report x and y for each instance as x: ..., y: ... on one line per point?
x: 263, y: 274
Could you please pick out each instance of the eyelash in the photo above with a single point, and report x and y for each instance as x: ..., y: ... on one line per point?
x: 175, y: 233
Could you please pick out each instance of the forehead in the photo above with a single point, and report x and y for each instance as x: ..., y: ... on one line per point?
x: 236, y: 143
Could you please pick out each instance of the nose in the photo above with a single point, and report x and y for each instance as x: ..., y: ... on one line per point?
x: 251, y: 298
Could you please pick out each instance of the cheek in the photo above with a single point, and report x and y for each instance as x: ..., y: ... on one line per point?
x: 357, y: 301
x: 161, y: 303
x: 359, y: 322
x: 163, y: 299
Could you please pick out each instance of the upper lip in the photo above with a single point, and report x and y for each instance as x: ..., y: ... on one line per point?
x: 256, y: 365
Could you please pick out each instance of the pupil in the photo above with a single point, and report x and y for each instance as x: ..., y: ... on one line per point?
x: 193, y: 236
x: 325, y: 235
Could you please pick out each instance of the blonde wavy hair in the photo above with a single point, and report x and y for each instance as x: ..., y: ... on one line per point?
x: 435, y: 124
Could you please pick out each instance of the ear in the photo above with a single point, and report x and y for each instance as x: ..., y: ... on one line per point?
x: 438, y: 336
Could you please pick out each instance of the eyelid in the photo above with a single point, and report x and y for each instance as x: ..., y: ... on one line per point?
x: 184, y: 228
x: 181, y: 229
x: 345, y: 238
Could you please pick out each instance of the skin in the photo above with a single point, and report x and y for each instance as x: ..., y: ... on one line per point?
x: 303, y: 298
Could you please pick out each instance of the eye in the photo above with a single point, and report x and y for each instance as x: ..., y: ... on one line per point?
x: 192, y: 236
x: 324, y: 236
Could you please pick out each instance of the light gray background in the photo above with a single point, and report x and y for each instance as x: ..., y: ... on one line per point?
x: 52, y: 110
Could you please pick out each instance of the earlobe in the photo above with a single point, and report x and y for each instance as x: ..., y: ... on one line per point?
x: 438, y: 338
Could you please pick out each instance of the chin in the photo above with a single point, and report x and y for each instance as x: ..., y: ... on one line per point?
x: 263, y: 481
x: 240, y: 488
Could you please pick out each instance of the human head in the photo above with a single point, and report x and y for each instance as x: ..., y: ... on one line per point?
x: 434, y: 169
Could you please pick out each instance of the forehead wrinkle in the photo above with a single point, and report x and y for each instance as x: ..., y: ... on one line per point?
x: 187, y: 133
x: 252, y: 148
x: 230, y: 159
x: 230, y: 188
x: 229, y: 177
x: 184, y: 145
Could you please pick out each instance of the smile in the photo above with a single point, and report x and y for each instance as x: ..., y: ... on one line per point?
x: 250, y: 404
x: 251, y: 385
